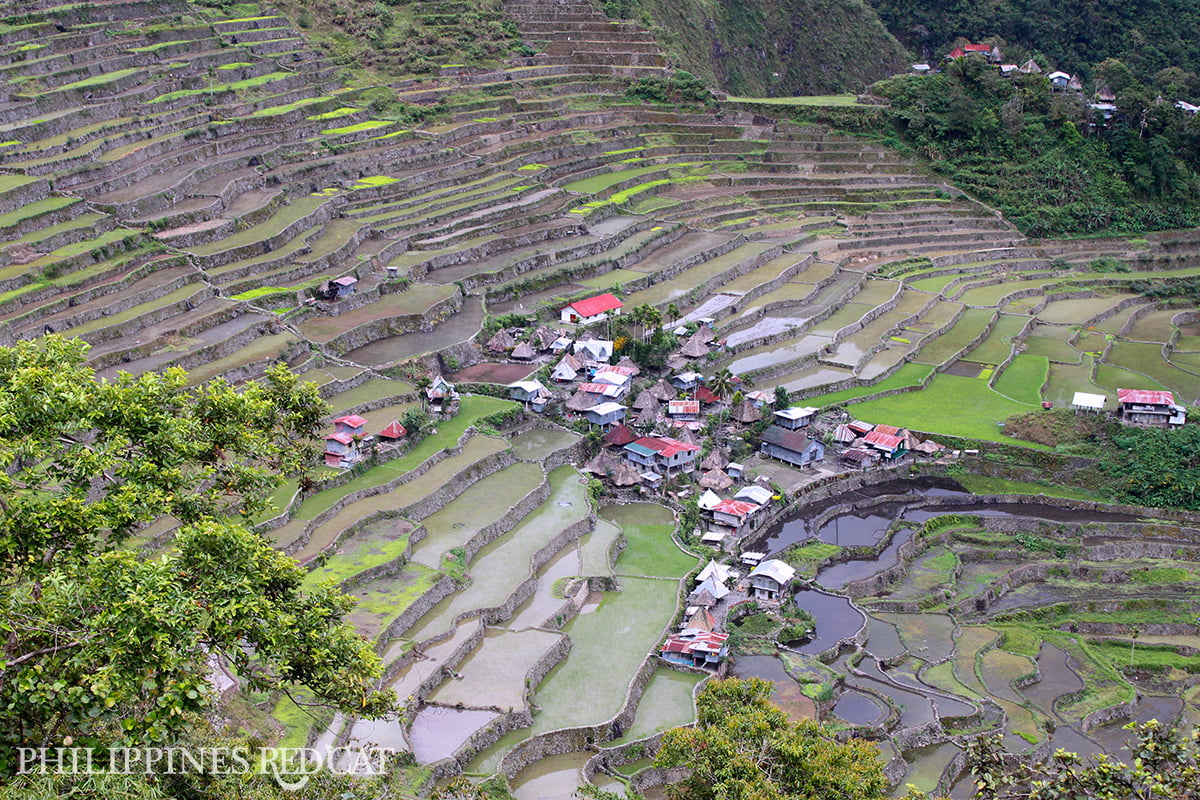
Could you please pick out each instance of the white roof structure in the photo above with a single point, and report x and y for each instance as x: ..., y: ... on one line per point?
x: 529, y: 387
x: 564, y: 372
x: 689, y: 377
x: 1058, y: 74
x: 714, y: 570
x: 606, y: 408
x: 1089, y: 402
x: 598, y: 349
x: 752, y: 558
x: 714, y: 586
x: 713, y: 538
x: 774, y: 569
x: 611, y: 378
x: 796, y: 413
x: 708, y: 501
x: 759, y: 495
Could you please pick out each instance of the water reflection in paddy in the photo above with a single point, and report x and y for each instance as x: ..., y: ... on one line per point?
x: 859, y: 709
x: 836, y: 619
x: 437, y: 731
x: 787, y: 694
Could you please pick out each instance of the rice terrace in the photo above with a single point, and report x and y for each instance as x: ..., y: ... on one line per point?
x: 631, y: 383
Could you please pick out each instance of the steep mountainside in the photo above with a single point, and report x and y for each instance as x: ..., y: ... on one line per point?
x: 1148, y: 36
x: 768, y: 48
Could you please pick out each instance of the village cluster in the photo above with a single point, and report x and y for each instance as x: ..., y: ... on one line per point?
x: 1103, y: 100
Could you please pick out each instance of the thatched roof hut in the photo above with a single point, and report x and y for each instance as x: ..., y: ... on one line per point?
x: 745, y: 412
x: 663, y: 391
x: 524, y: 351
x: 715, y: 479
x: 502, y: 342
x: 715, y: 460
x: 694, y: 348
x: 625, y: 475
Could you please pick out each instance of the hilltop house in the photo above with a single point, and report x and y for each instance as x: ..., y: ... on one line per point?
x: 592, y: 309
x: 1059, y: 80
x: 441, y: 394
x: 792, y: 447
x: 343, y: 287
x: 341, y: 450
x: 770, y: 579
x: 1145, y: 407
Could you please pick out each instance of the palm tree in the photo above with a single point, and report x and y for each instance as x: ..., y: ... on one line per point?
x: 722, y: 382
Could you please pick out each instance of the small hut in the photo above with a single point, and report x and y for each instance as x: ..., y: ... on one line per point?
x: 645, y: 400
x: 524, y: 351
x: 663, y: 391
x: 715, y: 479
x: 393, y: 431
x: 502, y: 342
x: 745, y: 412
x: 694, y: 348
x: 625, y: 475
x: 714, y: 460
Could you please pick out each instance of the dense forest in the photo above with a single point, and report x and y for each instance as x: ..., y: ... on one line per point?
x: 1052, y: 163
x: 1148, y: 35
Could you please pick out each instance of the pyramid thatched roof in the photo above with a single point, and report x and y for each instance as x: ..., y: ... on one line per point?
x: 645, y: 400
x: 715, y: 460
x: 502, y: 342
x: 694, y: 348
x: 543, y: 337
x: 524, y: 351
x: 646, y: 418
x: 745, y: 412
x: 581, y: 401
x: 686, y: 436
x: 625, y: 474
x: 663, y: 391
x: 603, y: 463
x: 715, y: 479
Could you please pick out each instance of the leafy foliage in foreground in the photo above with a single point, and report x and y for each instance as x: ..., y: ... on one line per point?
x: 744, y: 747
x: 105, y: 646
x: 1018, y: 145
x: 1156, y: 466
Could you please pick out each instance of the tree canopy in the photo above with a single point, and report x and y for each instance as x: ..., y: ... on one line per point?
x: 108, y: 641
x: 745, y: 748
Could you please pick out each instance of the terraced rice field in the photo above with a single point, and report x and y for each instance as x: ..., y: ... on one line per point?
x: 829, y: 265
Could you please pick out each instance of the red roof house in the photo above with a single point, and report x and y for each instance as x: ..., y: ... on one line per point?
x: 1149, y: 407
x: 619, y: 436
x: 891, y: 446
x: 352, y: 424
x: 592, y: 309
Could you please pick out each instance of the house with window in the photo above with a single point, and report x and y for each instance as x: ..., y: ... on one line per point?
x: 888, y: 445
x: 1147, y: 407
x: 792, y: 447
x: 770, y: 579
x: 341, y: 450
x: 351, y: 424
x: 737, y: 515
x: 532, y: 393
x: 597, y: 351
x: 606, y: 414
x: 686, y: 381
x: 662, y: 454
x: 343, y: 287
x: 591, y: 309
x: 696, y: 647
x: 441, y: 394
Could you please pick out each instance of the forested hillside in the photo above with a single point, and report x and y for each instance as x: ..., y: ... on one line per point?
x: 1147, y: 35
x: 1051, y: 163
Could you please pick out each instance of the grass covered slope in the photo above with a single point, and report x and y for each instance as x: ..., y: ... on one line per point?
x: 764, y: 48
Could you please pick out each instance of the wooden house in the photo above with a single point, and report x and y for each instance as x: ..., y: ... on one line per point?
x: 792, y: 447
x: 1146, y: 407
x: 888, y: 445
x: 770, y: 579
x: 606, y: 414
x: 341, y: 450
x: 696, y: 647
x: 795, y: 418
